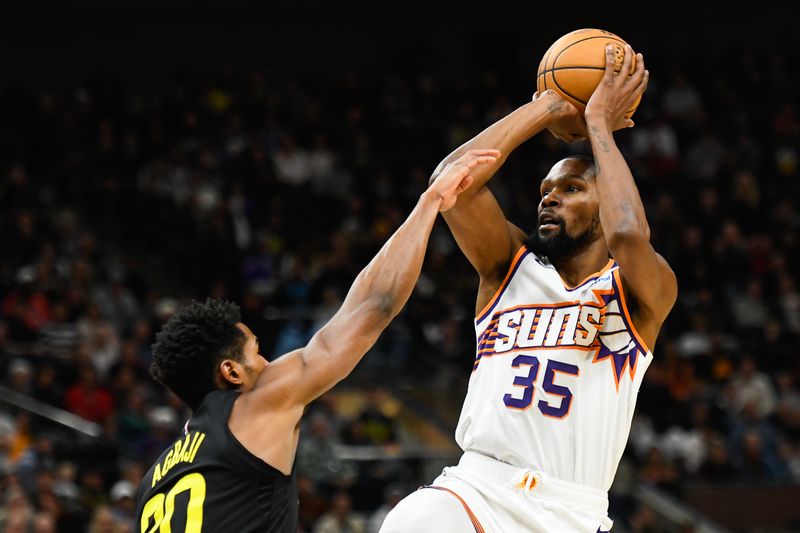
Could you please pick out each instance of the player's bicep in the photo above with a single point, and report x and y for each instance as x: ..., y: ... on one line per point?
x: 303, y: 375
x: 335, y: 349
x: 481, y: 230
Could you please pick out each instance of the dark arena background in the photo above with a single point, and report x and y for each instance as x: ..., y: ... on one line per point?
x: 150, y: 154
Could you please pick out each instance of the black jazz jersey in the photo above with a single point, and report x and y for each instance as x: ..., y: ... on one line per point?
x: 208, y: 482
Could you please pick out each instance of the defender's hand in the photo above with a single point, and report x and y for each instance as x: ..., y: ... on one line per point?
x: 456, y: 177
x: 618, y: 91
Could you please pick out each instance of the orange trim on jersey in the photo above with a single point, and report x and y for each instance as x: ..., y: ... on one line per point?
x: 598, y: 294
x: 632, y: 368
x: 598, y: 304
x: 475, y: 522
x: 540, y: 306
x: 517, y: 257
x: 492, y: 322
x: 627, y: 314
x: 490, y: 351
x: 616, y: 379
x: 590, y: 276
x: 589, y: 348
x: 622, y: 370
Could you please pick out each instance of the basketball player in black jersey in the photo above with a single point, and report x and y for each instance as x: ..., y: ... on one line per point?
x: 232, y: 470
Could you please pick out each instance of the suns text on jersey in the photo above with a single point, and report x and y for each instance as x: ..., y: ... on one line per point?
x: 543, y: 326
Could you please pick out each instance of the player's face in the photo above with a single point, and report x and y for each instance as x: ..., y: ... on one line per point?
x: 569, y: 217
x: 252, y: 361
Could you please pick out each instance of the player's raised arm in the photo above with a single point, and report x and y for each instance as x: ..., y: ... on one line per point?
x: 378, y: 294
x: 477, y: 221
x: 645, y: 273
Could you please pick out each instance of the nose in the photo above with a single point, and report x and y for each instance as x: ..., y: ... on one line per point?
x: 551, y: 199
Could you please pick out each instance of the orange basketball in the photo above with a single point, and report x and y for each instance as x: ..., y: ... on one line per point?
x: 574, y: 65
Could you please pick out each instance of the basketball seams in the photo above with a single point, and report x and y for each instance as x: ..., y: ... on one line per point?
x: 550, y: 51
x: 566, y: 92
x: 572, y: 76
x: 607, y: 35
x: 544, y: 64
x: 555, y: 61
x: 553, y: 68
x: 622, y: 43
x: 573, y: 68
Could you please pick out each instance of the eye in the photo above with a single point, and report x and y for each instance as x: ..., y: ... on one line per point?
x: 573, y: 188
x: 545, y: 192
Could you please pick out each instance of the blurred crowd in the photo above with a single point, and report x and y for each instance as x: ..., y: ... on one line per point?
x: 120, y: 200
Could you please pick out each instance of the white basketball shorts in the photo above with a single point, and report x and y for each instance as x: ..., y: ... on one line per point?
x: 482, y: 494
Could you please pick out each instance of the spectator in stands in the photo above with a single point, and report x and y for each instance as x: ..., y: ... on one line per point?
x: 44, y: 522
x: 757, y: 461
x: 659, y: 472
x: 123, y: 502
x: 59, y: 336
x: 20, y: 375
x: 717, y: 466
x: 753, y: 388
x: 375, y: 424
x: 88, y: 398
x: 26, y: 308
x: 16, y: 512
x: 46, y: 385
x: 102, y: 521
x: 317, y: 459
x: 340, y: 518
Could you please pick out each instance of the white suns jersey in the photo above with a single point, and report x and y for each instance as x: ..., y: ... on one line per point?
x: 557, y: 371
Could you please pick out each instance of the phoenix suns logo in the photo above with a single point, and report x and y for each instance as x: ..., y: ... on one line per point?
x: 599, y: 326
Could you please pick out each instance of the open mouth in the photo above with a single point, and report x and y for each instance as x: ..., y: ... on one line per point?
x: 548, y: 221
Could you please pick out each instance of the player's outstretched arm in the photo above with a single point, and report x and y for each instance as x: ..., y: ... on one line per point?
x: 645, y: 273
x: 378, y: 294
x: 477, y: 222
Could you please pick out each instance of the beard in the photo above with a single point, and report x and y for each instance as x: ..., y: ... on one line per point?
x: 560, y: 245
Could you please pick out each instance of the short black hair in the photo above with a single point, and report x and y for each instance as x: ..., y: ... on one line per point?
x: 589, y: 160
x: 192, y: 343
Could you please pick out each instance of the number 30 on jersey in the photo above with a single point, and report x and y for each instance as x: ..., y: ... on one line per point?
x: 160, y: 507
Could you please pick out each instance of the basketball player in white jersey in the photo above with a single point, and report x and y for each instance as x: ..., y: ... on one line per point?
x: 566, y: 320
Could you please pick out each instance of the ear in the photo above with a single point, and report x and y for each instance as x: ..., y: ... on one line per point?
x: 231, y: 372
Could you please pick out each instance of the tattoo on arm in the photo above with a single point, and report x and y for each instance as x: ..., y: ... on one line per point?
x: 554, y: 107
x: 603, y: 144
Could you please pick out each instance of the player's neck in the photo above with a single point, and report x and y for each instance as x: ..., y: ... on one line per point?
x: 573, y: 270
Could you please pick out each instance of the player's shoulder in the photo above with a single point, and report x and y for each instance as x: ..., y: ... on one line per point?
x: 210, y: 418
x: 217, y: 399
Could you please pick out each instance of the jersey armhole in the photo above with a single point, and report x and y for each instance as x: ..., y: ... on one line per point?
x: 521, y: 253
x: 247, y: 461
x: 624, y: 304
